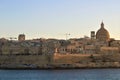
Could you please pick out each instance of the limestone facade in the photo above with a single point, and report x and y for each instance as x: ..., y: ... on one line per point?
x: 102, y: 43
x: 102, y: 34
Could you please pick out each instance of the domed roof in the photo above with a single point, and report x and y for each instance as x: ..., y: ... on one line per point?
x: 102, y: 34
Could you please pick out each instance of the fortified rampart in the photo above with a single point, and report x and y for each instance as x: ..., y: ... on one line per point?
x: 59, y: 61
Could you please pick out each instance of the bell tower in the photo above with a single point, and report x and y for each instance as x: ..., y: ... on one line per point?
x: 21, y: 37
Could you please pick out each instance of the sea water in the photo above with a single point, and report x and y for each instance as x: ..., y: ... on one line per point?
x: 73, y: 74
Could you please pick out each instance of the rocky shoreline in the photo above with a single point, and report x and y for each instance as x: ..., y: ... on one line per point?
x: 112, y: 65
x: 59, y: 68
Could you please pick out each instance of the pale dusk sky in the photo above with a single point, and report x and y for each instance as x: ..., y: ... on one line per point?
x: 55, y: 18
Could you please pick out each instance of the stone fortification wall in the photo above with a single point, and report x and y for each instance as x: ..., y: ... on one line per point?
x: 22, y: 61
x: 60, y: 61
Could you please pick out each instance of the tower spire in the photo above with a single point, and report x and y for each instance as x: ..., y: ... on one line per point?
x: 102, y: 24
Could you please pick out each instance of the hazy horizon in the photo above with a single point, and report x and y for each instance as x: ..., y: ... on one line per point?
x: 55, y: 18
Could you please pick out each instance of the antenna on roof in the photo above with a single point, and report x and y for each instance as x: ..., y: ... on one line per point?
x: 67, y: 34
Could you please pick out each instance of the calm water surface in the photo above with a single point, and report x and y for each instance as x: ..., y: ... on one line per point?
x: 79, y: 74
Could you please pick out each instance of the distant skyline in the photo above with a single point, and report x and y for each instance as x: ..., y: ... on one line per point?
x: 55, y: 18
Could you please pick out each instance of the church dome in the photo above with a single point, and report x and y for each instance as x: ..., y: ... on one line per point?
x: 102, y: 34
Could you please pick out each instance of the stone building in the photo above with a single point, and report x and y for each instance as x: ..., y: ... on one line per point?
x: 102, y: 34
x: 49, y: 46
x: 93, y: 35
x: 21, y: 37
x: 99, y: 43
x: 78, y: 46
x: 109, y: 50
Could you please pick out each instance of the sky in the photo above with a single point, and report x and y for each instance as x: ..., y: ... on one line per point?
x: 56, y: 18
